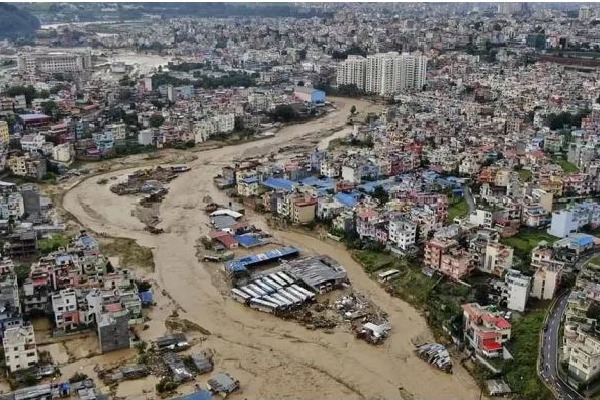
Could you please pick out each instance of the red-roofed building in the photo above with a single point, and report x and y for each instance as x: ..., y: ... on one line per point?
x: 227, y: 240
x: 485, y: 329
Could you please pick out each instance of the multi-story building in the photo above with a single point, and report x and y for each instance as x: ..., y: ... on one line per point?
x: 53, y: 62
x: 485, y: 329
x: 352, y: 72
x: 63, y: 152
x: 456, y: 263
x: 119, y: 131
x: 575, y: 216
x: 444, y: 256
x: 498, y: 259
x: 28, y: 165
x: 402, y: 233
x: 64, y: 307
x: 548, y: 271
x: 210, y: 126
x: 32, y: 142
x: 384, y: 73
x: 303, y: 209
x: 20, y: 350
x: 515, y: 290
x: 581, y: 351
x: 4, y: 132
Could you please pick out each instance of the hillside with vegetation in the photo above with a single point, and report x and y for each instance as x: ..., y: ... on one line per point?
x: 15, y: 22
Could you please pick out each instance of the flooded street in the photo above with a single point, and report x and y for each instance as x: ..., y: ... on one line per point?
x: 272, y: 358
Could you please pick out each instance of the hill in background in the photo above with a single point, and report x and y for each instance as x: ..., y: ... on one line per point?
x: 15, y: 22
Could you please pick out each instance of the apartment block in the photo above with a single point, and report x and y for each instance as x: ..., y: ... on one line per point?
x: 498, y: 259
x: 548, y: 271
x: 20, y: 350
x: 64, y: 307
x: 384, y: 73
x: 402, y: 233
x: 581, y: 350
x: 516, y: 290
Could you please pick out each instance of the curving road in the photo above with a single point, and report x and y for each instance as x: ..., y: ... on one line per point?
x: 551, y: 346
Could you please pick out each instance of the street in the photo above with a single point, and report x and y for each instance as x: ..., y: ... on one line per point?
x: 550, y: 346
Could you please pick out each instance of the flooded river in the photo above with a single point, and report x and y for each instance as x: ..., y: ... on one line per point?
x: 272, y: 358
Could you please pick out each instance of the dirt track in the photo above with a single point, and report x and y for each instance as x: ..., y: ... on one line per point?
x: 271, y: 358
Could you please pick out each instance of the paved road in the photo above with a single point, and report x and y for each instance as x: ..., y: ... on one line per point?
x: 469, y: 198
x: 551, y: 346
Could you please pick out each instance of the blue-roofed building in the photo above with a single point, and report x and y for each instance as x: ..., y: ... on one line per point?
x: 147, y: 298
x: 241, y: 265
x: 321, y: 185
x: 198, y: 395
x: 279, y: 184
x: 310, y: 95
x: 87, y: 242
x: 574, y: 245
x: 349, y: 200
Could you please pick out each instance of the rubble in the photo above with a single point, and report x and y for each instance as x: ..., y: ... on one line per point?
x: 367, y: 321
x: 150, y: 181
x: 435, y: 354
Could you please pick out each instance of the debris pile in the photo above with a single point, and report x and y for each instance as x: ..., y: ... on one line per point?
x: 435, y: 354
x: 368, y: 322
x: 150, y: 181
x: 313, y: 320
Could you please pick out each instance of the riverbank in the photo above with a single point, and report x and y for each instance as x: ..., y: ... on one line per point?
x: 271, y: 358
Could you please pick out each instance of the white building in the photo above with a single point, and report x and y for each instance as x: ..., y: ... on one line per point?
x: 384, y: 73
x: 20, y: 350
x: 32, y: 142
x: 565, y: 222
x: 146, y: 137
x: 516, y: 290
x: 64, y: 152
x: 54, y: 62
x: 352, y: 72
x: 481, y: 218
x: 210, y: 126
x: 64, y: 307
x: 402, y: 233
x: 581, y: 351
x: 119, y: 131
x: 584, y: 13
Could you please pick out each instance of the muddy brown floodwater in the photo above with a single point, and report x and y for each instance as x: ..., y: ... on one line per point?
x: 272, y: 358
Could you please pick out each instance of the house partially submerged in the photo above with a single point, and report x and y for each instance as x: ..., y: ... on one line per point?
x: 223, y: 384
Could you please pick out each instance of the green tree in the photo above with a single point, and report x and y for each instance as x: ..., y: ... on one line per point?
x: 156, y: 120
x: 285, y: 113
x: 44, y: 94
x: 380, y: 194
x: 49, y: 107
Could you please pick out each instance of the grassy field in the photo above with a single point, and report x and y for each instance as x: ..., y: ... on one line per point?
x: 521, y: 372
x: 567, y: 166
x: 525, y: 175
x: 438, y: 299
x: 129, y: 252
x: 458, y: 208
x: 527, y: 239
